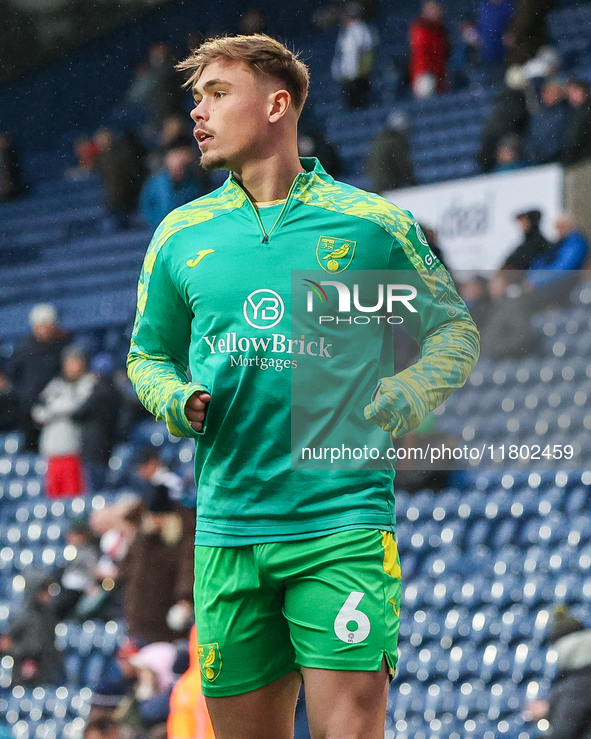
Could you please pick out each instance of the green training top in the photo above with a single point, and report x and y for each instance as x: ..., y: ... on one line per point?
x: 270, y: 312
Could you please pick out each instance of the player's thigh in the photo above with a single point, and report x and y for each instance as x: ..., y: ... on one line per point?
x: 349, y: 704
x: 344, y: 606
x: 244, y: 641
x: 264, y: 713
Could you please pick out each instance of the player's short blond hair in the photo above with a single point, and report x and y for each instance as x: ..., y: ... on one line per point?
x: 261, y: 53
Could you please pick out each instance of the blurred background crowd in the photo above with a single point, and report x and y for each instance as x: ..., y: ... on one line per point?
x: 97, y: 501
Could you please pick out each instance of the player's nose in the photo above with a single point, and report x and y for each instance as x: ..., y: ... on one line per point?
x: 199, y: 112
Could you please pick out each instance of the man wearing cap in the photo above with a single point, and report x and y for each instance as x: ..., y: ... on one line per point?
x: 534, y: 242
x: 36, y: 360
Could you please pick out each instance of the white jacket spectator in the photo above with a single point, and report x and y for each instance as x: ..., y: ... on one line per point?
x: 60, y: 435
x: 354, y: 44
x: 353, y: 57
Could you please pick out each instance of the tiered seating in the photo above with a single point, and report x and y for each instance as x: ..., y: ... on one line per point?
x: 88, y: 650
x: 46, y: 713
x: 482, y: 573
x: 482, y: 570
x: 58, y: 249
x: 535, y: 401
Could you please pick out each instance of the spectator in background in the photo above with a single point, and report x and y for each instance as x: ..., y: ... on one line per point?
x: 119, y: 690
x: 552, y: 274
x: 474, y: 292
x: 31, y: 634
x: 526, y: 33
x: 509, y: 114
x: 493, y: 19
x: 545, y: 134
x: 165, y: 92
x: 175, y: 134
x: 508, y: 155
x: 388, y: 162
x: 568, y: 708
x: 464, y: 54
x: 36, y: 360
x: 158, y: 571
x: 507, y: 333
x: 179, y: 182
x: 429, y: 51
x: 78, y: 582
x: 106, y: 697
x: 120, y: 164
x: 98, y: 418
x: 544, y: 65
x: 154, y: 680
x: 137, y: 94
x: 116, y: 525
x: 102, y: 727
x: 86, y: 151
x: 11, y: 409
x: 152, y: 470
x: 11, y: 183
x: 142, y: 690
x: 131, y: 411
x: 353, y: 57
x: 534, y: 242
x: 311, y: 143
x: 60, y: 438
x: 577, y: 138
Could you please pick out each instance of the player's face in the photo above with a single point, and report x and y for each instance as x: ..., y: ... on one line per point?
x: 230, y: 114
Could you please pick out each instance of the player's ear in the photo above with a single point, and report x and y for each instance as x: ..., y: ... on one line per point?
x: 279, y: 104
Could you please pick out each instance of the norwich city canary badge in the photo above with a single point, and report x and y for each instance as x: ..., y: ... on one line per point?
x: 334, y: 255
x: 210, y: 659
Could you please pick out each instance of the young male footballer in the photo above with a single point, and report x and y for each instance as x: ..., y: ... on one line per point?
x: 297, y: 570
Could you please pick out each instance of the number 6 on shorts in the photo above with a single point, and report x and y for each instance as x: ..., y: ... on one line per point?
x: 349, y: 614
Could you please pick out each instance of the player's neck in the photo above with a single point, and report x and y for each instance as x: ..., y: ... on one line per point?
x: 271, y: 177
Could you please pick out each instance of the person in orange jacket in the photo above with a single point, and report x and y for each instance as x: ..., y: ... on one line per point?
x: 188, y: 717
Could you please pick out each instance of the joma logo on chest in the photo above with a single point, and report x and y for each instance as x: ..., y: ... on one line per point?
x: 200, y: 255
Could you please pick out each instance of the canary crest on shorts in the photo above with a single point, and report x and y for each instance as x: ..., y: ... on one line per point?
x: 210, y: 659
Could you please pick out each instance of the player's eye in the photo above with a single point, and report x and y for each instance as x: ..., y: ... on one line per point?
x: 219, y: 94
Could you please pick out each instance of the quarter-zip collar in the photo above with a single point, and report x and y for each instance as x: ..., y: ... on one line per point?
x: 302, y: 181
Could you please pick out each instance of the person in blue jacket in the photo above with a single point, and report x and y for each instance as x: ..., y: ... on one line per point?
x: 178, y: 182
x: 492, y: 22
x: 552, y: 273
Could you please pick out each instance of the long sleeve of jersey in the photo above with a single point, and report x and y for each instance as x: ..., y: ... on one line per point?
x: 158, y: 358
x: 449, y: 341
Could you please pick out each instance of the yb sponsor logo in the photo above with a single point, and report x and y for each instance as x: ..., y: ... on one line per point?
x: 263, y: 308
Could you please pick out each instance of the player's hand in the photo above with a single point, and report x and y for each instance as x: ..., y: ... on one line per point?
x: 196, y: 408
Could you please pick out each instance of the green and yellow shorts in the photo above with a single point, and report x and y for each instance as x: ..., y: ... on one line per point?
x: 265, y: 610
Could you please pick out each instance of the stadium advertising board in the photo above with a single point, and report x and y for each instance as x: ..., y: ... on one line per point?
x: 474, y: 218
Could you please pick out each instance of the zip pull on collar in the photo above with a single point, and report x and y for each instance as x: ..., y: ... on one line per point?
x: 265, y: 239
